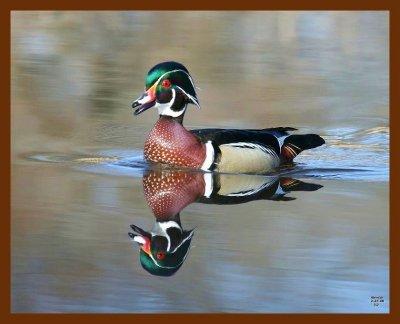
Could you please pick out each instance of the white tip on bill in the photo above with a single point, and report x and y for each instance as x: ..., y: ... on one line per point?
x: 139, y: 239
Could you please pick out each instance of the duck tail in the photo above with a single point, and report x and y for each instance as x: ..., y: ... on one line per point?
x: 293, y: 145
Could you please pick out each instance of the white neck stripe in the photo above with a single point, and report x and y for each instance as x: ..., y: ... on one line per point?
x: 164, y: 226
x: 165, y: 108
x: 194, y: 100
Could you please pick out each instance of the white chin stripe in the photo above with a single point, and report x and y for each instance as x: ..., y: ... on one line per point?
x: 209, y: 160
x: 208, y: 180
x: 165, y: 108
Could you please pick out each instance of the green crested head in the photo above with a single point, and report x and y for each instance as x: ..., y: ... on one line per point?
x: 163, y: 263
x: 169, y: 88
x: 162, y: 254
x: 160, y: 69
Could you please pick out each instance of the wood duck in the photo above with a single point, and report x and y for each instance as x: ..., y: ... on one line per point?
x: 164, y: 249
x: 170, y: 88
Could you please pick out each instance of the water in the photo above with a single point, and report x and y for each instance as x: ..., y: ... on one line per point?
x: 78, y: 171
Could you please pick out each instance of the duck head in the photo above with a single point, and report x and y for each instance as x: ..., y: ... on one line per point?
x: 165, y: 248
x: 169, y: 88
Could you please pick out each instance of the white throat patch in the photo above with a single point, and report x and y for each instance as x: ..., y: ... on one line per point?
x: 160, y: 228
x: 165, y: 108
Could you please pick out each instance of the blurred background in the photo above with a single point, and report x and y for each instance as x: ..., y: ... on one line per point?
x: 74, y: 76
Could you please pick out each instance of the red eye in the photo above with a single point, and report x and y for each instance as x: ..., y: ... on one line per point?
x: 160, y: 255
x: 166, y: 83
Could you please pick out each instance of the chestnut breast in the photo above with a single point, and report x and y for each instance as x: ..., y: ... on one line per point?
x: 167, y: 193
x: 170, y: 143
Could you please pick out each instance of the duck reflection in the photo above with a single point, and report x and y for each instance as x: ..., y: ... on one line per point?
x: 165, y: 247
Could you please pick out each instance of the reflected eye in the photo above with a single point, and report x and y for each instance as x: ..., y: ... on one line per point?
x: 160, y: 255
x: 166, y: 83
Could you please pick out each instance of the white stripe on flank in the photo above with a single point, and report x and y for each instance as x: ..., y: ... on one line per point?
x: 209, y: 186
x: 209, y: 160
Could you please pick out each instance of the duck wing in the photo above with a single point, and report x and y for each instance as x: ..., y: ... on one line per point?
x: 235, y: 135
x: 286, y: 146
x: 267, y: 137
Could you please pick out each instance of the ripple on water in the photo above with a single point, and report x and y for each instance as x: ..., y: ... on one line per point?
x: 348, y: 154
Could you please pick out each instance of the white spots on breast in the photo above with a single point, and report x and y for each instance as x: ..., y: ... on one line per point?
x: 169, y: 143
x: 157, y: 189
x: 166, y: 192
